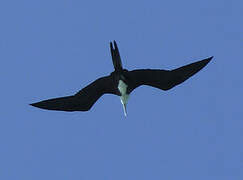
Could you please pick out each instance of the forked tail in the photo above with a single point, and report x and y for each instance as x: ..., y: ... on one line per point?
x: 116, y: 59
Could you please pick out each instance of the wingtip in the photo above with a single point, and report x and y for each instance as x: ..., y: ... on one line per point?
x: 207, y: 60
x: 210, y: 58
x: 33, y: 104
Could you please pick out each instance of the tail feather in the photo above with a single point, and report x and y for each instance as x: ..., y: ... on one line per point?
x: 116, y: 59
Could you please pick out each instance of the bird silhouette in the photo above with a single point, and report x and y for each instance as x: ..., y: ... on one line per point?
x: 122, y: 82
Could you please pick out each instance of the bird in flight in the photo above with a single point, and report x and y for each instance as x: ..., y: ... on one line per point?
x: 122, y: 82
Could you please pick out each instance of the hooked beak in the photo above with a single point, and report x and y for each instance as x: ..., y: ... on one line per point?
x: 125, y: 109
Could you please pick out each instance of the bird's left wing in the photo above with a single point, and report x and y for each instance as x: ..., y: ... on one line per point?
x: 83, y: 100
x: 165, y: 79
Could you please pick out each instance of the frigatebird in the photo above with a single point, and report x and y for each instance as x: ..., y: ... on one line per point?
x: 122, y: 82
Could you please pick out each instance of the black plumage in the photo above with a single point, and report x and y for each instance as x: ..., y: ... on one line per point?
x: 85, y: 98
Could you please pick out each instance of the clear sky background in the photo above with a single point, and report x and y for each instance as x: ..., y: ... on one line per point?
x: 52, y: 48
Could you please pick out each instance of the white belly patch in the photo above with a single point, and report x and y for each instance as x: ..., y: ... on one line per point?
x: 122, y: 87
x: 124, y: 96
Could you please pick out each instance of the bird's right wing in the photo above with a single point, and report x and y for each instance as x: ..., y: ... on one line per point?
x: 165, y: 79
x: 83, y: 100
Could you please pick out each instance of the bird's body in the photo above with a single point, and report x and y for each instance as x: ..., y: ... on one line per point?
x: 122, y: 82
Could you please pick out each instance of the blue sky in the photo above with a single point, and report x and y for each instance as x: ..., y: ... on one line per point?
x: 54, y: 48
